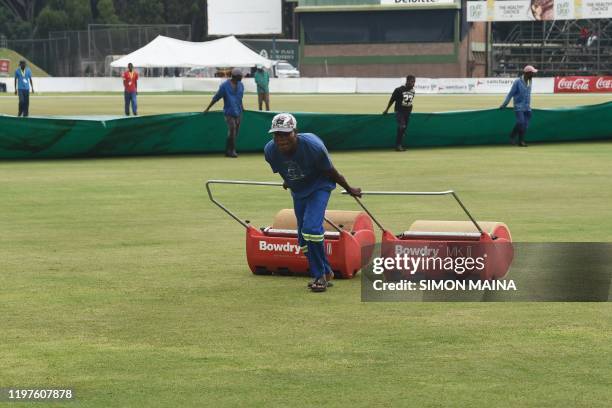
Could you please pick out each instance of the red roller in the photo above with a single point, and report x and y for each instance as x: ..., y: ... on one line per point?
x: 485, y: 246
x: 349, y: 240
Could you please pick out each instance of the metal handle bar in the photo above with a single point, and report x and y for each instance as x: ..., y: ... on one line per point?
x: 414, y: 193
x: 248, y: 183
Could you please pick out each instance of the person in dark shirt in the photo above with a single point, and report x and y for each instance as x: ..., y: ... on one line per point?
x: 304, y: 164
x: 402, y: 97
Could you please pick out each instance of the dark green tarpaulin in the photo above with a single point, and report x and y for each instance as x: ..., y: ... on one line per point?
x: 27, y: 138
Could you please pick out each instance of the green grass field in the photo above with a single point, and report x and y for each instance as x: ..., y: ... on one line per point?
x: 122, y: 280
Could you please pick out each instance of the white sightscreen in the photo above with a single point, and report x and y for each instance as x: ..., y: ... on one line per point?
x: 236, y: 17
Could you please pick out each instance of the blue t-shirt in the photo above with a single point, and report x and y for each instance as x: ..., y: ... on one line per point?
x: 23, y: 79
x: 232, y: 99
x: 304, y: 171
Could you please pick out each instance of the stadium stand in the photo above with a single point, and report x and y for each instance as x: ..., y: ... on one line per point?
x: 576, y: 47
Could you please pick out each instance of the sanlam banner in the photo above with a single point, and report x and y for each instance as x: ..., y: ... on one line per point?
x: 477, y: 85
x: 542, y: 10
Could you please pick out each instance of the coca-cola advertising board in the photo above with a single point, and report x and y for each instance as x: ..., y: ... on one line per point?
x: 4, y: 67
x: 583, y: 84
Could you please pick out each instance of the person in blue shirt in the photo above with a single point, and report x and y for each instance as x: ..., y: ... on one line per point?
x: 304, y: 164
x: 521, y: 93
x: 232, y: 92
x: 23, y: 84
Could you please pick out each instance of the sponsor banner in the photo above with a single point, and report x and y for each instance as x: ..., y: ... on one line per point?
x: 413, y: 2
x: 502, y: 85
x: 4, y: 67
x: 583, y: 84
x: 477, y: 85
x: 541, y: 10
x: 425, y: 86
x: 286, y: 50
x: 296, y: 85
x: 596, y: 9
x: 493, y: 85
x: 511, y: 10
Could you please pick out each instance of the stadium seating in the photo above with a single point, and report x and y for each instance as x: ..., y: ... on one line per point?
x: 555, y: 47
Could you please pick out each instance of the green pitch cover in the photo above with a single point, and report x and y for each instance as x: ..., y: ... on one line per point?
x: 188, y: 133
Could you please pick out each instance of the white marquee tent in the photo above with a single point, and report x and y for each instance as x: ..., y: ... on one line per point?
x: 166, y: 52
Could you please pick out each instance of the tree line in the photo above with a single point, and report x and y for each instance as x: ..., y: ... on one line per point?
x: 23, y: 19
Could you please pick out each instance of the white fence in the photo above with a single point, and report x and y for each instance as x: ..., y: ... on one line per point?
x: 290, y: 85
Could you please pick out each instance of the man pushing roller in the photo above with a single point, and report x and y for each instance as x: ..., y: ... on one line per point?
x: 303, y: 162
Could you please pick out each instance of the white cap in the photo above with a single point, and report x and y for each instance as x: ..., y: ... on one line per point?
x: 283, y: 122
x: 530, y: 68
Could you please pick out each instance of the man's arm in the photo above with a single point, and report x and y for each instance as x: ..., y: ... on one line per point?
x: 509, y: 96
x: 241, y: 100
x: 31, y: 84
x: 212, y: 102
x: 15, y: 84
x: 391, y: 100
x: 339, y: 179
x: 215, y: 98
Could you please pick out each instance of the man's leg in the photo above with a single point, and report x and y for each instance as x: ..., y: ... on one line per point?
x: 238, y: 121
x: 526, y: 119
x: 401, y: 128
x: 514, y: 133
x: 299, y: 206
x: 329, y: 273
x: 260, y: 98
x: 230, y: 150
x: 134, y: 103
x: 267, y: 101
x: 520, y: 124
x: 312, y: 230
x: 406, y: 123
x: 26, y: 103
x: 126, y: 100
x: 20, y: 95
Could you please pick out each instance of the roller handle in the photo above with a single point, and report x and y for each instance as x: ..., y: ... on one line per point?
x: 247, y: 183
x: 416, y: 193
x: 366, y: 210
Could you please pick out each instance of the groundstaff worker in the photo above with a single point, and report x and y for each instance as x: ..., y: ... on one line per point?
x: 402, y: 97
x: 23, y: 84
x: 130, y: 90
x: 262, y: 79
x: 232, y: 92
x: 302, y: 161
x: 521, y: 93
